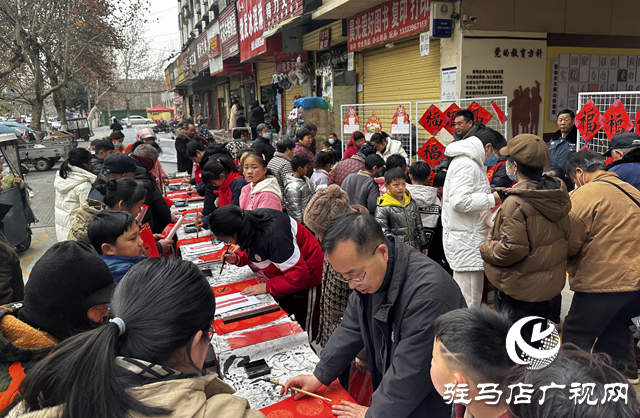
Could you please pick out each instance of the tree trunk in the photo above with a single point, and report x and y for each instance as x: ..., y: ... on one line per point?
x: 36, y: 113
x: 60, y: 102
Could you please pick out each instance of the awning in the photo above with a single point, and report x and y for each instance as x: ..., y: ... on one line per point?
x: 343, y: 9
x: 281, y: 25
x: 159, y: 109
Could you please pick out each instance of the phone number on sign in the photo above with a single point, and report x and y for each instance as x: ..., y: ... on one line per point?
x: 412, y: 28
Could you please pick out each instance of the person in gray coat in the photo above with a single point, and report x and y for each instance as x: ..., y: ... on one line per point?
x: 361, y: 186
x: 298, y: 189
x: 399, y: 295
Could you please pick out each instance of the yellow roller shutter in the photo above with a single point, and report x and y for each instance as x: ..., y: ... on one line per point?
x: 264, y: 73
x: 400, y: 74
x: 221, y: 91
x: 234, y: 83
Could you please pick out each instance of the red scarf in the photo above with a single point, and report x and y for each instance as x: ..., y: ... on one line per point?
x: 197, y: 173
x: 223, y: 192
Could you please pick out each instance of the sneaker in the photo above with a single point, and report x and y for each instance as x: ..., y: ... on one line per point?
x: 634, y: 381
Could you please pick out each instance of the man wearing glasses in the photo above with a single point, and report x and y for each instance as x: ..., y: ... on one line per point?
x: 399, y: 294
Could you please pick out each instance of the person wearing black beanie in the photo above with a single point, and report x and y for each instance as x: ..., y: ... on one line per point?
x: 67, y: 293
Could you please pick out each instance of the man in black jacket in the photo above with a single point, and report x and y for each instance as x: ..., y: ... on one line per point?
x: 183, y: 137
x: 399, y: 294
x: 262, y: 144
x: 200, y: 155
x: 158, y: 215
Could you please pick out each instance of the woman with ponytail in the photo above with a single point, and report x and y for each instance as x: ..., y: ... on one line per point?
x: 286, y: 252
x: 525, y: 254
x: 125, y: 195
x: 72, y: 186
x: 146, y: 360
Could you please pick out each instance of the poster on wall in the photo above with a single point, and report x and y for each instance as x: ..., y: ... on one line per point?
x: 578, y: 73
x: 448, y: 81
x: 515, y: 68
x: 372, y: 126
x: 214, y: 53
x: 251, y: 25
x: 400, y: 124
x: 351, y: 122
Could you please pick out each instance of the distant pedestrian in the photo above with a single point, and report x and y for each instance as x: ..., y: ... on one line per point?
x: 115, y: 125
x: 303, y: 147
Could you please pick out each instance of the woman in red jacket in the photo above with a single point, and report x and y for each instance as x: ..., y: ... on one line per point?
x: 287, y: 253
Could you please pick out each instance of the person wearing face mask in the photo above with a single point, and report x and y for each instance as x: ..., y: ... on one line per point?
x: 336, y: 144
x: 603, y: 261
x: 262, y: 144
x: 466, y: 203
x: 525, y: 254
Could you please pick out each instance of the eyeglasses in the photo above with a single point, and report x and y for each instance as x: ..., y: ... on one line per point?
x: 344, y: 280
x: 211, y: 332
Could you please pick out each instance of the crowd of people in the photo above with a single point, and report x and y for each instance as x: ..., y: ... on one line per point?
x: 377, y: 255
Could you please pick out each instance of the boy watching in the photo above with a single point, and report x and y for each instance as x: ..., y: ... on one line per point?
x: 280, y: 164
x: 102, y: 149
x: 298, y: 189
x: 469, y: 349
x: 116, y: 237
x: 398, y: 214
x: 361, y: 186
x: 429, y: 206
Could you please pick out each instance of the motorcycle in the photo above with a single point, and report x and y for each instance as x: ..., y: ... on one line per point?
x: 161, y: 126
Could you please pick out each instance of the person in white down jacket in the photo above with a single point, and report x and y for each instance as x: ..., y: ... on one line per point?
x: 72, y: 186
x: 466, y: 203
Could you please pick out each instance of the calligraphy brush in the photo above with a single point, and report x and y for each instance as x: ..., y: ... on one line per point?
x: 222, y: 266
x: 275, y: 382
x: 197, y: 227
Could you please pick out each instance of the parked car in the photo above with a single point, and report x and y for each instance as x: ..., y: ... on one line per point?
x: 136, y: 120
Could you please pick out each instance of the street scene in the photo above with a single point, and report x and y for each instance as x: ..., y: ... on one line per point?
x: 319, y: 208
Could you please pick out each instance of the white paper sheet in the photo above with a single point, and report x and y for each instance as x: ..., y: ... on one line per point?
x: 201, y: 248
x: 234, y: 301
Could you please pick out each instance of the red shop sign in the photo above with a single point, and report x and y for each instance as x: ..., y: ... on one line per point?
x: 323, y: 39
x: 392, y: 20
x: 229, y: 32
x: 277, y: 11
x: 251, y: 24
x: 202, y: 49
x: 214, y: 46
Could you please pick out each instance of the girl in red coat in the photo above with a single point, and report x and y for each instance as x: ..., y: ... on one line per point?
x: 287, y: 253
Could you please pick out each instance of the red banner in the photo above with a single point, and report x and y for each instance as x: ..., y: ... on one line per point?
x: 616, y: 120
x: 202, y: 49
x: 432, y: 152
x: 323, y: 39
x: 391, y: 20
x: 480, y: 114
x: 244, y: 339
x: 227, y: 289
x: 277, y: 11
x: 449, y: 119
x: 433, y: 120
x: 222, y: 328
x: 214, y: 46
x: 308, y: 406
x: 229, y: 32
x: 251, y: 24
x: 637, y: 122
x: 588, y: 121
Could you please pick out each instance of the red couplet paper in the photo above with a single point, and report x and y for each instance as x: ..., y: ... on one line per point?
x: 261, y: 335
x: 616, y: 120
x: 588, y: 121
x: 432, y: 152
x: 214, y: 256
x: 186, y: 241
x: 222, y: 328
x: 175, y: 181
x: 308, y: 406
x: 433, y: 120
x: 449, y: 119
x: 148, y: 242
x: 233, y: 287
x: 637, y: 122
x: 480, y: 114
x: 502, y: 118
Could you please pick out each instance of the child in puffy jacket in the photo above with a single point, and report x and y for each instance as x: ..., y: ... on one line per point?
x: 298, y: 188
x: 398, y: 214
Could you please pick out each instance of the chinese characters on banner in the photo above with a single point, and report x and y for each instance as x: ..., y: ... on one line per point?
x: 433, y: 120
x: 588, y: 121
x: 400, y: 124
x: 229, y: 32
x: 216, y: 64
x: 480, y: 114
x: 323, y: 39
x: 432, y: 152
x: 449, y: 119
x: 202, y: 51
x: 372, y: 126
x: 616, y: 120
x: 386, y: 22
x: 251, y: 24
x: 214, y: 46
x: 351, y: 122
x: 277, y: 11
x: 499, y: 52
x: 283, y: 67
x: 637, y: 122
